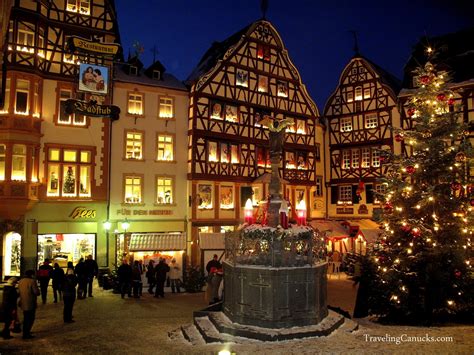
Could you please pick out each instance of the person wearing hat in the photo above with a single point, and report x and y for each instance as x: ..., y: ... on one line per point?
x: 10, y: 297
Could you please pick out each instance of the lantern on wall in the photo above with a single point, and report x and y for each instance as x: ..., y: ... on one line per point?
x: 248, y: 211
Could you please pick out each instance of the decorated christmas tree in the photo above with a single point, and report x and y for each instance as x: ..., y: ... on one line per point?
x: 422, y: 266
x: 70, y: 182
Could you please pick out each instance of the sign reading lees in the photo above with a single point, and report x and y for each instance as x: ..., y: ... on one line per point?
x: 83, y: 212
x: 92, y: 109
x: 88, y: 46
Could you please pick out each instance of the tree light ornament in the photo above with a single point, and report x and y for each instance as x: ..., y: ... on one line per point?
x: 410, y: 169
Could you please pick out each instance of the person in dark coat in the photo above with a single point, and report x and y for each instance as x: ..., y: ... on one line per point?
x: 136, y: 278
x: 29, y: 292
x: 57, y: 275
x: 150, y: 275
x: 44, y: 275
x: 213, y: 263
x: 10, y: 296
x: 160, y: 274
x: 124, y: 273
x: 91, y: 271
x: 80, y: 271
x: 69, y: 294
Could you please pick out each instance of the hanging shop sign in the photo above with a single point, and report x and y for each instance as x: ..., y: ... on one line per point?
x: 92, y: 109
x: 90, y: 47
x: 143, y: 212
x: 83, y: 213
x: 94, y: 79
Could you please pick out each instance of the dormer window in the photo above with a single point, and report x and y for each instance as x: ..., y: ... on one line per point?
x: 156, y: 75
x: 133, y: 70
x: 358, y: 93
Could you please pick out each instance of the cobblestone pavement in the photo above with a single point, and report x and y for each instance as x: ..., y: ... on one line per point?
x: 107, y: 324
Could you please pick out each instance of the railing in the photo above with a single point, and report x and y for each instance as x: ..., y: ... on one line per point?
x: 275, y: 247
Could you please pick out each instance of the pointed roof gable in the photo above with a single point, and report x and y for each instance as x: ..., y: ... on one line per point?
x: 157, y: 65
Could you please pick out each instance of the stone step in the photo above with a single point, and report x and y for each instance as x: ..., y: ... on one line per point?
x: 209, y: 332
x: 192, y: 335
x: 224, y: 325
x: 177, y: 336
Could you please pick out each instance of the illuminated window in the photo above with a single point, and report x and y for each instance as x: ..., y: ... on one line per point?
x: 366, y: 93
x: 300, y: 126
x: 6, y: 104
x: 379, y: 189
x: 164, y: 190
x: 226, y: 197
x: 65, y: 118
x: 375, y: 157
x: 235, y: 156
x: 350, y: 96
x: 282, y: 89
x: 225, y: 153
x: 21, y: 99
x: 358, y: 93
x: 263, y: 157
x: 345, y: 193
x: 365, y: 158
x: 133, y: 145
x: 69, y: 172
x: 231, y: 113
x: 212, y: 152
x: 80, y: 6
x: 346, y: 124
x: 3, y: 153
x: 262, y: 83
x: 166, y: 107
x: 242, y: 78
x: 135, y: 104
x: 133, y: 189
x: 19, y: 162
x: 355, y: 158
x: 41, y: 43
x: 165, y: 148
x: 36, y: 101
x: 25, y: 40
x: 371, y: 120
x: 263, y: 51
x: 346, y: 159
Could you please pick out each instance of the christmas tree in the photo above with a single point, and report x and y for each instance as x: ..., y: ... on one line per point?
x: 422, y: 267
x: 70, y: 182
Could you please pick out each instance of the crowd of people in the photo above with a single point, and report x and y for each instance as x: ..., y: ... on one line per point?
x: 75, y: 282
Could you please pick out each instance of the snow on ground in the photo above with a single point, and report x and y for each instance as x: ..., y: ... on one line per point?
x: 107, y: 324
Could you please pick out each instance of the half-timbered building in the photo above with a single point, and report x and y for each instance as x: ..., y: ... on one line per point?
x: 53, y: 165
x: 237, y: 82
x: 359, y: 116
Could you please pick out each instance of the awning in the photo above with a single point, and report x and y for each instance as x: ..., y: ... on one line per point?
x: 212, y: 241
x: 157, y: 241
x: 369, y: 229
x: 332, y: 228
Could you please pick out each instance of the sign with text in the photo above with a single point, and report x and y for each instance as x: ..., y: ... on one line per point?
x: 83, y: 213
x: 87, y: 46
x: 92, y: 109
x: 144, y: 212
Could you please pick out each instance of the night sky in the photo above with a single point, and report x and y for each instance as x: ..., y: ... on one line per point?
x: 316, y: 33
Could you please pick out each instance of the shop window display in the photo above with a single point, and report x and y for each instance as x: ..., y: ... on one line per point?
x: 61, y: 248
x: 227, y: 197
x: 12, y: 254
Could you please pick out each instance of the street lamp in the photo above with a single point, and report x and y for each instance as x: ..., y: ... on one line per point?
x: 125, y: 225
x: 107, y: 225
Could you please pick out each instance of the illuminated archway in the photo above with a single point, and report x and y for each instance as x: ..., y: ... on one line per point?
x: 12, y: 254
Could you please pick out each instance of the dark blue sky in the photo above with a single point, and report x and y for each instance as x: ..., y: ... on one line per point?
x: 316, y: 33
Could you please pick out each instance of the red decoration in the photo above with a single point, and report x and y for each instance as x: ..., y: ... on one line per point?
x: 406, y: 228
x: 451, y: 102
x: 415, y: 232
x: 360, y: 188
x: 457, y: 273
x: 425, y: 79
x: 472, y: 202
x: 411, y: 111
x: 399, y: 137
x: 410, y: 169
x: 441, y: 97
x: 456, y: 186
x: 388, y: 207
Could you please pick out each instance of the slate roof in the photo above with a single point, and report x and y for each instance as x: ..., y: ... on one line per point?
x: 454, y: 52
x: 387, y: 78
x: 214, y: 54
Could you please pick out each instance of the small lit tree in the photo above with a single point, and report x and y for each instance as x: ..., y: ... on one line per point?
x: 422, y: 260
x: 69, y: 182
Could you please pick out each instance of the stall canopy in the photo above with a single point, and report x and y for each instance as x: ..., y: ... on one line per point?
x: 157, y: 241
x: 332, y: 228
x: 212, y: 241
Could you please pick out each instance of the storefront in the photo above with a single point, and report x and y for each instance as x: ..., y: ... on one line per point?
x: 66, y: 231
x: 62, y: 248
x: 210, y: 244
